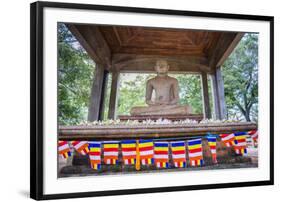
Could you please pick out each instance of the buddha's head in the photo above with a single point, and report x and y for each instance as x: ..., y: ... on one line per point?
x: 161, y: 67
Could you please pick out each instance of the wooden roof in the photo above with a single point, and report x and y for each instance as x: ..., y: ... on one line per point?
x: 136, y: 49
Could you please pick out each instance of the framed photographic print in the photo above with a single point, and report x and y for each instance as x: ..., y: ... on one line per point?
x: 134, y: 100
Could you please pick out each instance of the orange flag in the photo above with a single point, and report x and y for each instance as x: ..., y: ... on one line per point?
x: 137, y: 155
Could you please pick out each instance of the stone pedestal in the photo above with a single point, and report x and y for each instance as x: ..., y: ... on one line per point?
x: 79, y: 160
x: 197, y: 117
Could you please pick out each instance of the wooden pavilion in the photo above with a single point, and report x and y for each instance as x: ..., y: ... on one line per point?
x: 117, y: 49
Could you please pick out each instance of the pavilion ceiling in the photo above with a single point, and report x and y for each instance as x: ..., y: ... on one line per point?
x: 136, y: 49
x: 153, y: 41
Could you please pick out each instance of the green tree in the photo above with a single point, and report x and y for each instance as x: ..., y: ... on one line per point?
x: 75, y: 72
x: 132, y: 91
x: 240, y: 74
x: 190, y: 91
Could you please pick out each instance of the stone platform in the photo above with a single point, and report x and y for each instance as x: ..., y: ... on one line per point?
x: 225, y: 155
x: 149, y: 131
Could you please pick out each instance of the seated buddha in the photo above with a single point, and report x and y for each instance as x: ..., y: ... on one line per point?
x: 166, y: 89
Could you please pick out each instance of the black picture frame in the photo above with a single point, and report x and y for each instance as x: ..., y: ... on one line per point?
x: 36, y: 99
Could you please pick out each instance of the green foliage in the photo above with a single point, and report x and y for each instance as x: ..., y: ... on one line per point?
x: 190, y: 91
x: 75, y: 72
x: 240, y: 74
x: 132, y: 91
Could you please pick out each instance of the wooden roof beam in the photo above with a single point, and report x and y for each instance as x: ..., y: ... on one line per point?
x: 224, y: 47
x: 93, y: 42
x: 146, y: 63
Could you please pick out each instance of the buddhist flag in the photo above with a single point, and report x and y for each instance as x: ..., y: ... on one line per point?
x: 240, y: 143
x: 146, y: 152
x: 81, y: 147
x: 212, y: 142
x: 178, y: 154
x: 161, y: 154
x: 254, y: 135
x: 129, y: 151
x: 110, y: 152
x: 195, y: 152
x: 228, y: 139
x: 64, y: 149
x: 95, y: 154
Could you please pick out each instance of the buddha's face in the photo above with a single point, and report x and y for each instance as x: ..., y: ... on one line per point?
x: 161, y: 67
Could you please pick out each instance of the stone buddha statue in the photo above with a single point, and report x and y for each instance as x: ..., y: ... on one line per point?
x: 166, y: 101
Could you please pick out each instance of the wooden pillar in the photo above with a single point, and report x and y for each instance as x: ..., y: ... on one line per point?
x: 205, y: 95
x: 216, y: 105
x: 103, y: 95
x: 218, y: 94
x: 220, y: 90
x: 96, y: 99
x: 113, y: 100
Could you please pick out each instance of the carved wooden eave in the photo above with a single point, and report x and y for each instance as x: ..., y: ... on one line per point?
x: 93, y: 42
x: 224, y: 47
x: 135, y: 49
